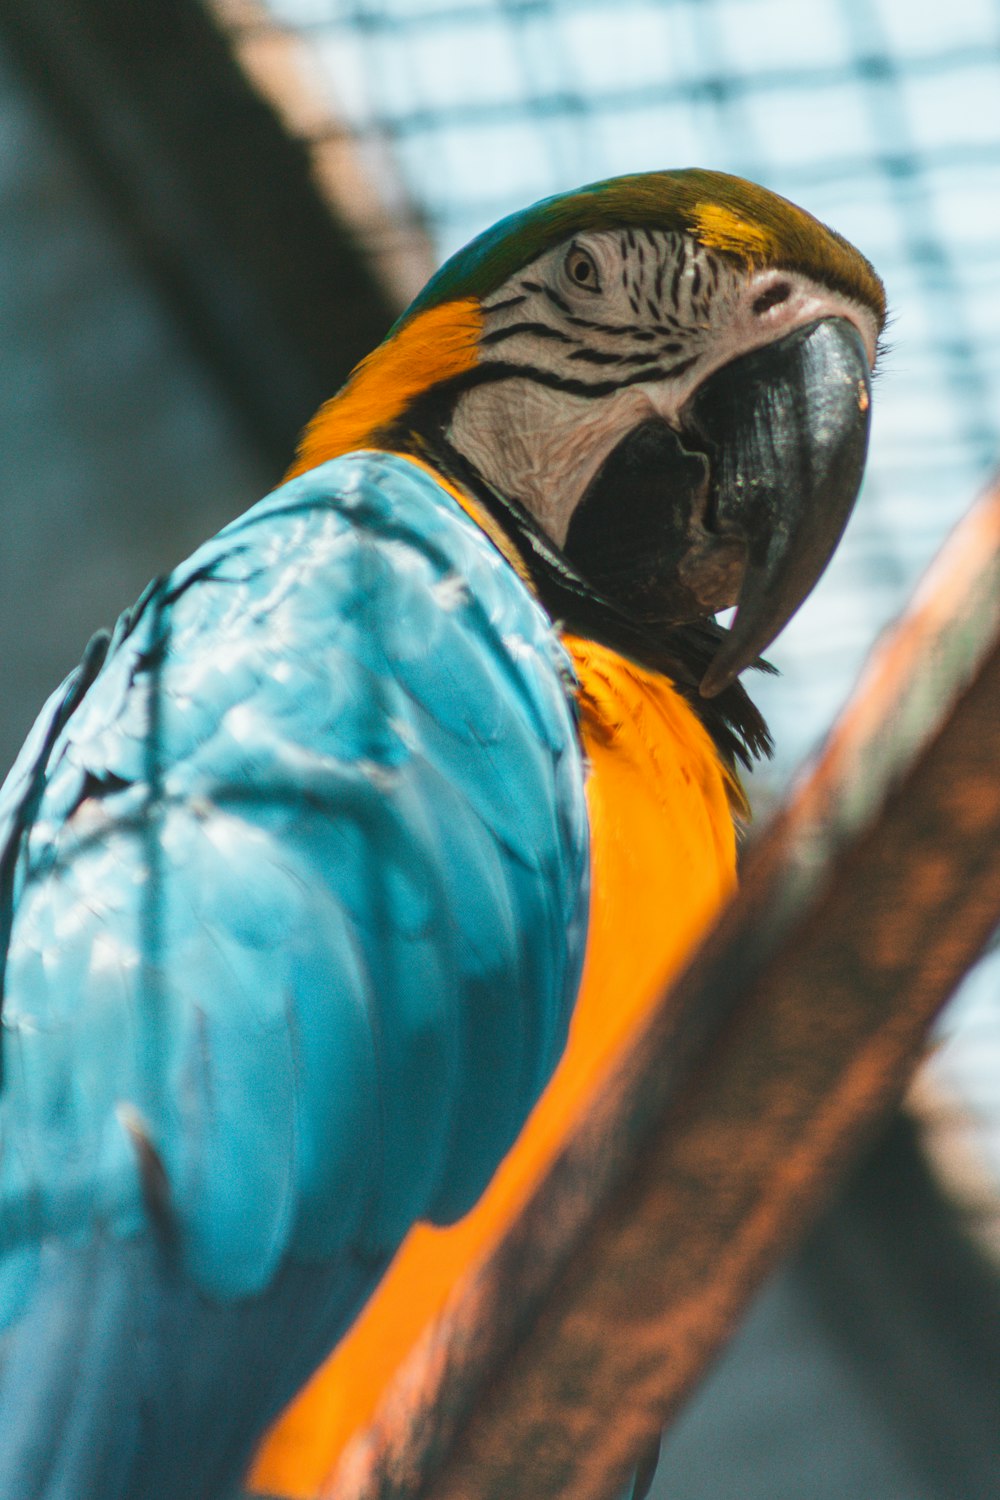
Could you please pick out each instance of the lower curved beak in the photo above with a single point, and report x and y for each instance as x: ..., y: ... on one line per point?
x: 785, y: 432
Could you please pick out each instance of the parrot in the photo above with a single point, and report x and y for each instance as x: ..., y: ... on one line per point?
x: 333, y: 876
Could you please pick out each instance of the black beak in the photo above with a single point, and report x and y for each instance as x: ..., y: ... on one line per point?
x: 745, y: 504
x: 785, y: 432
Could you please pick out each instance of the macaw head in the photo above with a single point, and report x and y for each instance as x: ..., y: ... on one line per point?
x: 659, y: 386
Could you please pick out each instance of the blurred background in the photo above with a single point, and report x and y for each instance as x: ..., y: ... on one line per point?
x: 213, y: 208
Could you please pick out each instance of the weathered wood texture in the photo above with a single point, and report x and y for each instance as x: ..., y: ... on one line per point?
x: 731, y: 1116
x: 214, y: 196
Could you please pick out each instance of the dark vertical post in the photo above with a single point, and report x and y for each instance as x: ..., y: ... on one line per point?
x: 215, y: 196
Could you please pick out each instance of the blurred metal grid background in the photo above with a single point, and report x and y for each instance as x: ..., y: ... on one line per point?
x: 880, y: 116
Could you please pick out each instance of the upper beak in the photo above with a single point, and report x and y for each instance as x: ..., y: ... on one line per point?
x: 785, y: 432
x: 743, y: 502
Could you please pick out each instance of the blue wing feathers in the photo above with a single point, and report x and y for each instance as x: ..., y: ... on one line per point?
x: 303, y: 891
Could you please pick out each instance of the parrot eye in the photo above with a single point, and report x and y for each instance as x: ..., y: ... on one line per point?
x: 779, y: 292
x: 581, y: 270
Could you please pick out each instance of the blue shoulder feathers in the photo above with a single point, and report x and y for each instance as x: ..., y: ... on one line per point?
x: 297, y: 912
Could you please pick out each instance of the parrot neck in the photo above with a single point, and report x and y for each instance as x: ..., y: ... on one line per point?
x: 680, y: 653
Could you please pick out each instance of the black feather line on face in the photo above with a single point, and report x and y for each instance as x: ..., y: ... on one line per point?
x: 617, y: 330
x: 599, y: 357
x: 538, y: 330
x: 680, y: 652
x: 494, y: 369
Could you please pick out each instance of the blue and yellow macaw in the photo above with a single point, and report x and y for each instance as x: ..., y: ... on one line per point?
x: 430, y: 757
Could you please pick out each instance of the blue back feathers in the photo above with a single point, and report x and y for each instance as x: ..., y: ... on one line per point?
x: 299, y: 917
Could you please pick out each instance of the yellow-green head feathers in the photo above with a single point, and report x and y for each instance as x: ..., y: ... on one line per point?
x: 724, y: 213
x: 437, y: 338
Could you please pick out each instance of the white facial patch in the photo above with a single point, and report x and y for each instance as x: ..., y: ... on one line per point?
x: 611, y: 328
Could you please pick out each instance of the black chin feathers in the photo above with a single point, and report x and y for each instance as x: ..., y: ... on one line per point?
x: 681, y: 652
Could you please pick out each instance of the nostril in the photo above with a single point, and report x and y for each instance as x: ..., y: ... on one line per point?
x: 779, y: 292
